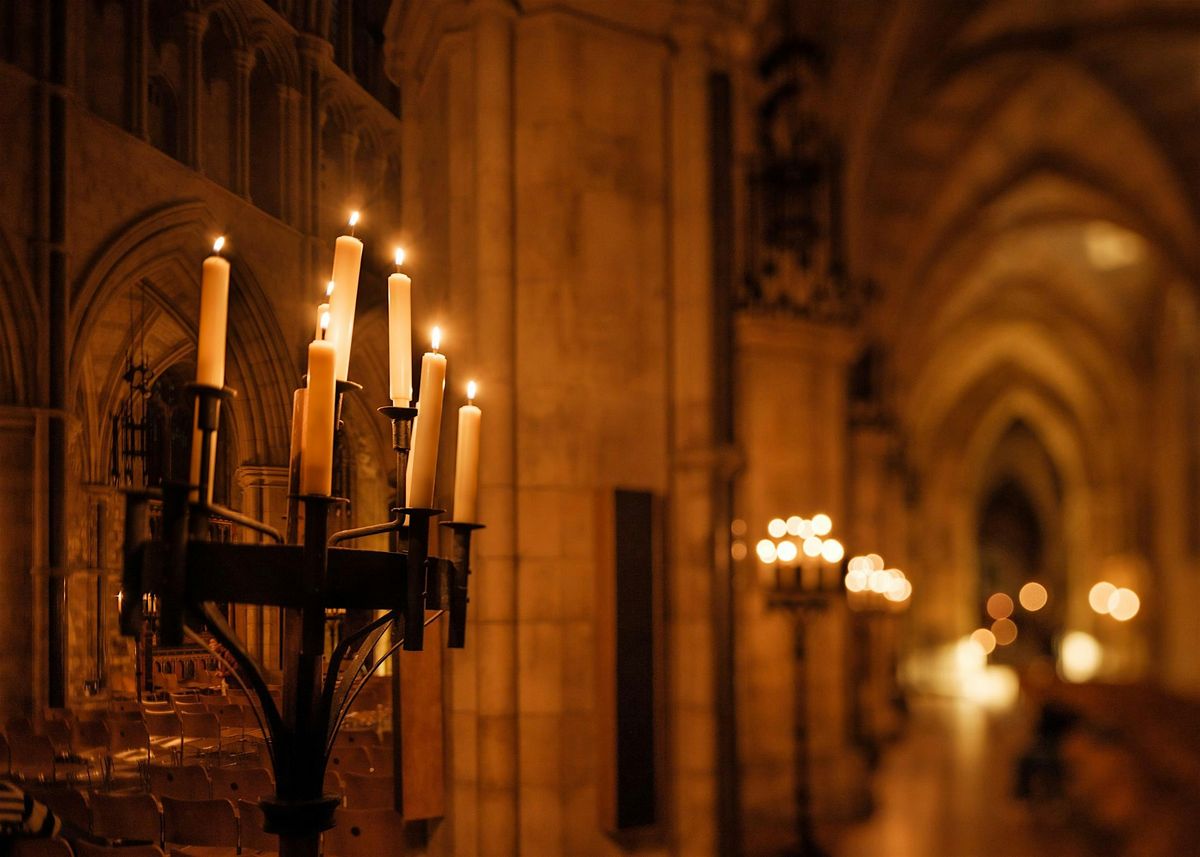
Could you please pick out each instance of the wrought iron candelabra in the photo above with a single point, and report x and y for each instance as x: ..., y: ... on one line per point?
x: 305, y: 574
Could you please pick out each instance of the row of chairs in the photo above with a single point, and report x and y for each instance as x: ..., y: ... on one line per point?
x: 214, y: 823
x: 194, y: 782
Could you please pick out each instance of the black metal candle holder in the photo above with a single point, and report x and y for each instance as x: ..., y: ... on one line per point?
x: 305, y: 576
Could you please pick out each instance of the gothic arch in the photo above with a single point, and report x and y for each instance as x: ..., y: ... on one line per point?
x: 165, y: 246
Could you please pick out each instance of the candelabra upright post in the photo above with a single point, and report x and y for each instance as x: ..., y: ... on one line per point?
x: 801, y: 582
x: 305, y: 577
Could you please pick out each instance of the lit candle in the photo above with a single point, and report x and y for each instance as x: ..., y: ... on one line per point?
x: 427, y: 429
x: 466, y: 464
x: 322, y: 312
x: 347, y: 258
x: 316, y: 443
x: 210, y: 355
x: 214, y: 311
x: 400, y: 334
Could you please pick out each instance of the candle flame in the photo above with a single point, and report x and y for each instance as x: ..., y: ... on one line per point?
x: 329, y: 288
x: 399, y: 256
x: 354, y: 218
x: 436, y: 338
x: 324, y: 323
x: 219, y: 243
x: 472, y: 389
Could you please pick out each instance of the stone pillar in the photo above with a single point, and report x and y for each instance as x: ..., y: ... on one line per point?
x: 243, y: 65
x: 194, y: 25
x: 498, y: 825
x: 693, y: 453
x: 289, y: 154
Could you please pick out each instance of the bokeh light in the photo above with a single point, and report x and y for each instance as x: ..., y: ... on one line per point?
x: 786, y: 550
x: 856, y: 580
x: 812, y: 546
x: 777, y: 528
x: 766, y: 550
x: 794, y: 524
x: 738, y: 527
x: 1000, y: 606
x: 1005, y: 631
x: 832, y: 551
x: 821, y: 525
x: 1098, y: 596
x: 738, y: 550
x: 985, y: 639
x: 876, y: 561
x: 1123, y: 604
x: 1033, y: 596
x: 1079, y: 656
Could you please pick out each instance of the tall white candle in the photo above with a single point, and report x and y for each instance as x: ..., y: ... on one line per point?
x: 316, y: 444
x: 466, y: 462
x: 427, y: 430
x: 400, y: 335
x: 347, y: 259
x: 214, y: 313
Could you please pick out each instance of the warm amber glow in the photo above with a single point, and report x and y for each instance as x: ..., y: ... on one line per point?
x: 436, y: 338
x: 329, y: 288
x: 738, y: 527
x: 786, y: 551
x: 832, y: 551
x: 399, y: 256
x: 899, y: 591
x: 472, y: 389
x: 777, y: 528
x: 738, y: 550
x: 985, y: 639
x: 1099, y: 595
x: 812, y: 546
x: 1005, y: 631
x: 1000, y: 606
x: 856, y: 580
x: 821, y: 525
x: 1123, y: 604
x: 876, y: 561
x: 1079, y: 656
x: 324, y: 323
x: 354, y: 218
x: 1033, y: 596
x: 858, y: 563
x: 766, y: 551
x: 219, y: 243
x: 794, y: 523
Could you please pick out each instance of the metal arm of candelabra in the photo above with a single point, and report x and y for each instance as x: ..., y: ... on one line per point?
x: 191, y: 575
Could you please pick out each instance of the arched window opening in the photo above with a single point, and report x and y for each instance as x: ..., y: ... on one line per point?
x: 162, y: 116
x: 266, y: 123
x: 105, y: 59
x: 218, y: 139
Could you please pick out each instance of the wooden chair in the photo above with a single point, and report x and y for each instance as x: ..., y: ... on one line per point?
x: 89, y: 849
x: 41, y: 848
x: 201, y: 734
x: 199, y: 822
x: 59, y: 733
x: 368, y: 791
x: 32, y: 757
x: 5, y: 757
x: 166, y: 732
x: 15, y: 726
x: 129, y: 751
x: 332, y: 784
x: 354, y: 759
x: 191, y: 707
x: 365, y: 833
x: 126, y: 818
x: 358, y: 738
x: 90, y: 736
x: 68, y: 804
x: 382, y: 760
x: 186, y: 782
x: 251, y: 823
x: 235, y: 783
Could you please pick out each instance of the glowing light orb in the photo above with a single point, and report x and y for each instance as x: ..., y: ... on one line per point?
x: 1033, y: 596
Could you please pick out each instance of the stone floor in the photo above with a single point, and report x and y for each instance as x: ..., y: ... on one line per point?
x: 945, y: 790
